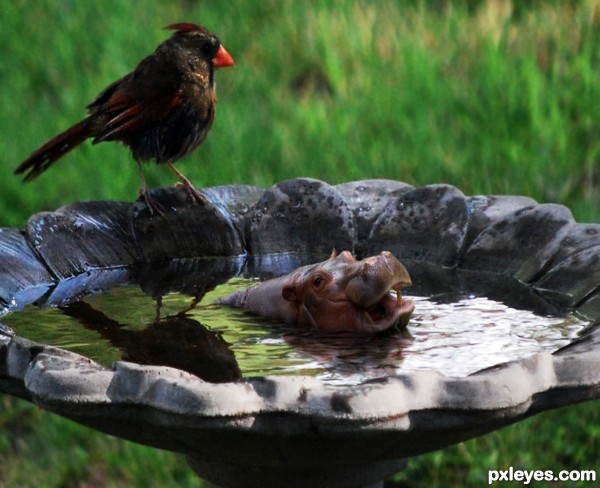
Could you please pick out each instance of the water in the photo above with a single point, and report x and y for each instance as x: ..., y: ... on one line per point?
x: 456, y: 335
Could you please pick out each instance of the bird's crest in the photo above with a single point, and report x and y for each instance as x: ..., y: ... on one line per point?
x: 185, y: 27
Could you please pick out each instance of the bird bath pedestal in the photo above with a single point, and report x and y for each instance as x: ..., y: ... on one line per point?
x: 296, y: 430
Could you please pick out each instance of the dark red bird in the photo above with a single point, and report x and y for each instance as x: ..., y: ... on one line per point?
x: 162, y: 110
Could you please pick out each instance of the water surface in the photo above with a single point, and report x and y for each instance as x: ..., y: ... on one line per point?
x: 456, y: 335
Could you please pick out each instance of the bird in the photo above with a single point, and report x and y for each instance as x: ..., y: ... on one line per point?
x: 162, y: 110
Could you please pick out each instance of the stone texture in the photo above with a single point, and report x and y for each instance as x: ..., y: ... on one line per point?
x: 23, y: 277
x: 574, y: 271
x: 301, y: 216
x: 367, y: 199
x: 87, y: 283
x: 293, y: 423
x: 590, y: 307
x: 520, y: 243
x: 237, y: 200
x: 82, y: 237
x: 426, y: 224
x: 187, y: 229
x: 272, y: 265
x: 483, y: 210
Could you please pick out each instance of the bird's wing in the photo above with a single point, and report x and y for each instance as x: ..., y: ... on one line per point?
x: 124, y: 115
x: 138, y: 99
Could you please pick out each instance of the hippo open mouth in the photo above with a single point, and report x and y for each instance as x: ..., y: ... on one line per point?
x: 339, y: 294
x: 391, y: 309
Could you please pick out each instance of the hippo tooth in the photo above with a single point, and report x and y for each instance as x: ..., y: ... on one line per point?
x: 368, y: 317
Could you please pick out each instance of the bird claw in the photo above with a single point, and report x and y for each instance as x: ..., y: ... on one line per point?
x: 194, y: 194
x: 186, y: 184
x: 154, y: 206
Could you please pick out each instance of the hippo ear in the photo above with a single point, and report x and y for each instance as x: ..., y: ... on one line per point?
x: 291, y: 292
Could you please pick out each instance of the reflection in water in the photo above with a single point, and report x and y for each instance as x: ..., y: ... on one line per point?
x: 220, y: 344
x: 177, y: 341
x: 170, y: 320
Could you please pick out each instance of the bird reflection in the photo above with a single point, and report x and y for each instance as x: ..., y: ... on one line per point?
x: 177, y: 341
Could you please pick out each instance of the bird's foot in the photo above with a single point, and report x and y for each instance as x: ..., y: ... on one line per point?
x: 196, y: 195
x: 153, y: 205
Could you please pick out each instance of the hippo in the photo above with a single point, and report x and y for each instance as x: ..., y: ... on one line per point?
x: 339, y: 294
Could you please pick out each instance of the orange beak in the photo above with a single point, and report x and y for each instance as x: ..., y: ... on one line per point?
x: 223, y: 59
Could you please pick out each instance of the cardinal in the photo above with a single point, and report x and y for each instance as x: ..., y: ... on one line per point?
x: 162, y: 110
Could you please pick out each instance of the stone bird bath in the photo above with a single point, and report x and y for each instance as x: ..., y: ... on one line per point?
x: 296, y: 430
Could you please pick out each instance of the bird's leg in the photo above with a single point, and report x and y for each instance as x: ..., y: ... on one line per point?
x: 187, y: 186
x: 153, y: 205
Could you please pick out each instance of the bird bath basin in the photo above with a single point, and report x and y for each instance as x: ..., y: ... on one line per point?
x: 240, y: 427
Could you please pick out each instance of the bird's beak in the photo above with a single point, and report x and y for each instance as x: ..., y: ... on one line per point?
x: 223, y: 59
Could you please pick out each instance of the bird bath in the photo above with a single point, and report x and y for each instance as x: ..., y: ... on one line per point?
x: 294, y: 429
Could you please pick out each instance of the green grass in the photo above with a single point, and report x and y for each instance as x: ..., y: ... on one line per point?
x: 493, y: 97
x: 479, y: 98
x: 45, y: 451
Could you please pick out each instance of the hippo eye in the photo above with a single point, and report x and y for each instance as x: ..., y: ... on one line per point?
x: 319, y: 282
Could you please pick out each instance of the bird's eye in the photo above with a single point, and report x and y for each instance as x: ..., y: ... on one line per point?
x: 208, y: 49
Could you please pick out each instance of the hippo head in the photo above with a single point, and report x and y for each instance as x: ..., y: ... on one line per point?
x: 342, y: 294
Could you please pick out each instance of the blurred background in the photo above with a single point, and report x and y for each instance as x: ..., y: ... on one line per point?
x: 492, y: 96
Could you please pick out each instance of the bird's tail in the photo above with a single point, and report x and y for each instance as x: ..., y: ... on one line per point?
x: 54, y: 149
